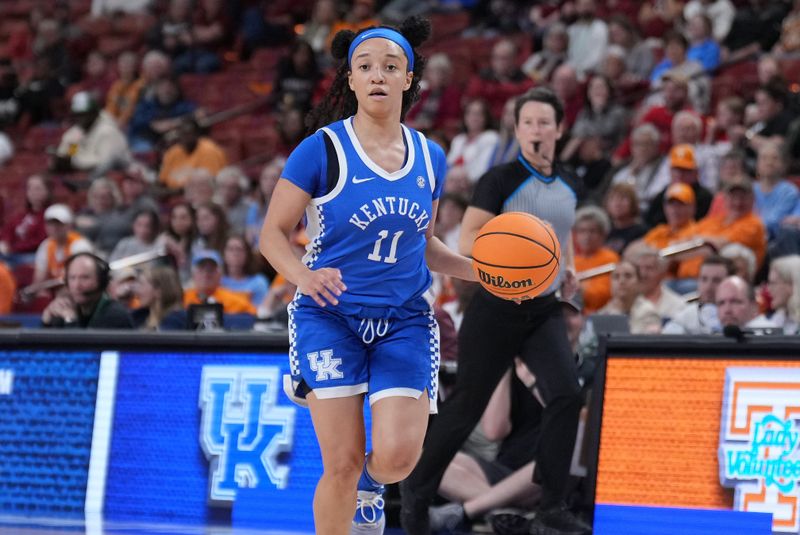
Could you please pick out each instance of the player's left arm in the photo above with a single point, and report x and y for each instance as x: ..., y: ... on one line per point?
x: 441, y: 259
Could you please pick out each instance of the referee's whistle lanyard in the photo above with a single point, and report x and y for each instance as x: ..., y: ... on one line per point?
x: 370, y: 328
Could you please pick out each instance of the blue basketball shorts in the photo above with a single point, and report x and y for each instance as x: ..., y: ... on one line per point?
x: 381, y: 352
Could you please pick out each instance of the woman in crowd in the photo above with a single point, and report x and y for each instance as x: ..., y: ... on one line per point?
x: 145, y: 239
x: 240, y: 273
x: 627, y: 299
x: 212, y: 227
x: 473, y: 148
x: 601, y: 117
x: 161, y: 297
x: 622, y: 206
x: 783, y: 284
x: 24, y: 231
x: 180, y: 234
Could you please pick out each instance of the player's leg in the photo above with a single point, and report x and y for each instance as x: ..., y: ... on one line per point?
x: 515, y: 490
x: 339, y: 426
x: 463, y: 480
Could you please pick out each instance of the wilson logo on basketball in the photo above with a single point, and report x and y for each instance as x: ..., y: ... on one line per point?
x: 500, y: 282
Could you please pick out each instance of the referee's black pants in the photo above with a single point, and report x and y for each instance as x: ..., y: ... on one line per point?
x: 492, y: 333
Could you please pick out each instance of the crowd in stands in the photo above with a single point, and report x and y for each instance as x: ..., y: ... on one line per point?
x: 160, y: 127
x: 150, y: 134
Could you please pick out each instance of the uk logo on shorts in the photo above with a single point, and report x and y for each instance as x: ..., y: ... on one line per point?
x: 325, y: 366
x: 243, y: 431
x: 759, y: 437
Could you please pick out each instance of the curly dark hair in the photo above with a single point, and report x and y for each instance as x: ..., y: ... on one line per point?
x: 341, y: 101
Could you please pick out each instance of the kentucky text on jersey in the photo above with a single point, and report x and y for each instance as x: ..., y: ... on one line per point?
x: 390, y: 206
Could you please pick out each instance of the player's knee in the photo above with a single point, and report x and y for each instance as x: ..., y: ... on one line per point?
x: 345, y: 468
x: 397, y: 459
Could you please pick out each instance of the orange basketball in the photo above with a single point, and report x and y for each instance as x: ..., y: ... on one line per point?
x: 516, y: 256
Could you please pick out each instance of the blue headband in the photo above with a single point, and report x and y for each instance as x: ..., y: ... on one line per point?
x: 386, y: 33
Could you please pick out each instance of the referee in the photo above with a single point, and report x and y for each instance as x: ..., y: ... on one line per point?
x: 495, y: 330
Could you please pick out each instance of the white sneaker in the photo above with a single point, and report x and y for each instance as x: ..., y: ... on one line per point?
x: 369, y: 518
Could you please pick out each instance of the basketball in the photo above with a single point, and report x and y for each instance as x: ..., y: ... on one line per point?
x: 516, y: 256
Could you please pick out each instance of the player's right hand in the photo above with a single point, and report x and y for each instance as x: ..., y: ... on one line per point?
x: 323, y: 285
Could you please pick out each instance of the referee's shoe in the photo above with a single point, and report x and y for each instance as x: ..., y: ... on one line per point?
x: 557, y: 520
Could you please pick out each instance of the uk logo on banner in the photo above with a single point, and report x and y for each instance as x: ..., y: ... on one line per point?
x: 759, y: 437
x: 243, y: 431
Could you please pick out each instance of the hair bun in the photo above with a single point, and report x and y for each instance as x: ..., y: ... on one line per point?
x: 341, y: 43
x: 416, y: 29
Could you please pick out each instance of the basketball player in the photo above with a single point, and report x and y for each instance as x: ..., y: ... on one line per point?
x: 495, y: 330
x: 360, y: 323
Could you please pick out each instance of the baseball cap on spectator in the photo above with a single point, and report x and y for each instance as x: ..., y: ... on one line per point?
x: 83, y: 102
x: 740, y: 182
x: 205, y: 255
x: 682, y: 157
x: 60, y: 213
x: 680, y: 192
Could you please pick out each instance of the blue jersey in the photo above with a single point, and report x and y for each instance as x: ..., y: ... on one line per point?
x: 365, y: 221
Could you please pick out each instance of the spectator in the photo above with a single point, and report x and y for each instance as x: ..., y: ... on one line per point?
x: 789, y: 42
x: 448, y: 222
x: 725, y: 129
x: 120, y: 287
x: 240, y: 271
x: 653, y: 270
x: 200, y: 187
x: 679, y: 209
x: 683, y: 170
x: 94, y: 144
x: 361, y: 15
x: 146, y: 228
x: 622, y: 207
x: 775, y: 196
x: 180, y: 235
x: 296, y: 79
x: 602, y: 117
x: 317, y: 30
x: 50, y: 45
x: 8, y: 288
x: 473, y: 148
x: 645, y: 162
x: 700, y: 317
x: 124, y: 92
x: 738, y: 225
x: 212, y: 34
x: 136, y: 180
x: 86, y: 305
x: 160, y: 295
x: 102, y: 220
x: 258, y: 210
x: 212, y: 228
x: 439, y: 104
x: 540, y: 66
x: 565, y: 85
x: 774, y: 118
x: 677, y: 63
x: 687, y: 128
x: 232, y: 188
x: 627, y: 299
x: 206, y: 278
x: 731, y: 169
x: 507, y: 147
x: 60, y: 244
x: 291, y: 131
x: 638, y: 56
x: 783, y: 285
x: 703, y: 48
x: 157, y: 114
x: 502, y: 80
x: 591, y: 166
x: 756, y: 28
x: 192, y: 151
x: 113, y: 7
x: 10, y: 106
x: 588, y: 38
x: 743, y: 258
x: 172, y: 34
x: 40, y: 96
x: 657, y: 17
x: 24, y: 231
x: 736, y: 304
x: 591, y: 229
x: 96, y: 78
x: 719, y: 12
x: 675, y: 92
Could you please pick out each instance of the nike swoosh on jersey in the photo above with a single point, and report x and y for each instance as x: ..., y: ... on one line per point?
x: 360, y: 180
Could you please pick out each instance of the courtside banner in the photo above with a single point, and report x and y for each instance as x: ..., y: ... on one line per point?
x: 698, y: 442
x: 149, y: 429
